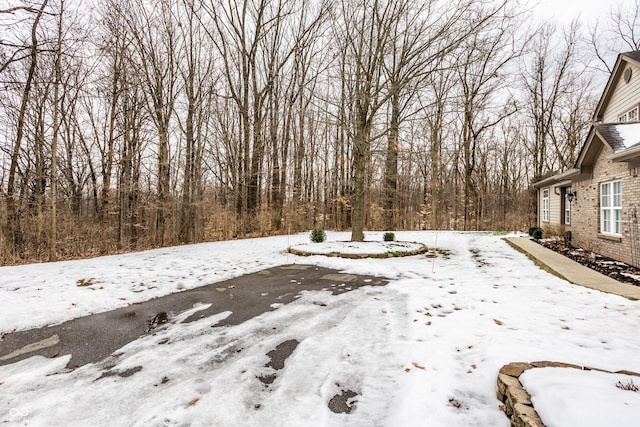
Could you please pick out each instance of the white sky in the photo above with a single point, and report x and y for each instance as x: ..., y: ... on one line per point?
x: 589, y: 10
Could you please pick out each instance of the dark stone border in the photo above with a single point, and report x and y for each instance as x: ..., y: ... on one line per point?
x: 390, y: 254
x: 517, y: 402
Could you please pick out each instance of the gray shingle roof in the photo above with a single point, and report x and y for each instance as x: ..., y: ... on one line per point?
x: 634, y: 54
x: 620, y: 136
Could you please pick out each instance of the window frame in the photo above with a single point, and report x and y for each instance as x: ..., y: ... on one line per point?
x: 611, y: 208
x: 625, y: 117
x: 545, y: 205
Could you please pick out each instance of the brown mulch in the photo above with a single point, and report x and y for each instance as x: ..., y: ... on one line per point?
x: 615, y: 269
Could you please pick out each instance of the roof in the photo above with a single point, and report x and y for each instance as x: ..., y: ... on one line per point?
x: 623, y: 138
x: 616, y: 74
x: 634, y: 55
x: 558, y: 180
x: 620, y: 136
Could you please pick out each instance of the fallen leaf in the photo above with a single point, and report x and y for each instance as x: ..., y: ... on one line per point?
x: 474, y: 366
x: 566, y: 328
x: 428, y: 314
x: 164, y: 380
x: 502, y: 408
x: 428, y: 323
x: 194, y: 401
x: 419, y: 367
x: 499, y: 323
x: 54, y: 355
x: 407, y: 370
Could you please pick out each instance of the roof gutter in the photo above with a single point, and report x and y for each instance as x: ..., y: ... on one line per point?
x: 627, y: 155
x: 561, y: 178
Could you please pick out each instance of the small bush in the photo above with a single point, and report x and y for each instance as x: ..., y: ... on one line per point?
x: 628, y: 386
x: 537, y: 233
x: 388, y: 237
x: 318, y: 235
x: 532, y: 229
x: 567, y: 237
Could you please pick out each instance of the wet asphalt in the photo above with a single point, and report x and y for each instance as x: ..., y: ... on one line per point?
x: 92, y: 338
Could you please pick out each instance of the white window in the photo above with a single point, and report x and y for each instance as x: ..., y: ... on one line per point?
x: 629, y: 116
x: 567, y: 207
x: 545, y: 205
x: 611, y: 207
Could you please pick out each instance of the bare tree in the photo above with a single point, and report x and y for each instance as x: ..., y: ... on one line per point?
x: 367, y: 29
x: 620, y: 32
x: 550, y: 78
x: 13, y: 219
x: 422, y: 36
x: 483, y: 58
x: 152, y: 34
x: 196, y: 70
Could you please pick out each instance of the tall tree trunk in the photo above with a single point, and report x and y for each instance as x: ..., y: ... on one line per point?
x: 13, y: 229
x: 391, y: 163
x: 359, y: 165
x: 53, y: 225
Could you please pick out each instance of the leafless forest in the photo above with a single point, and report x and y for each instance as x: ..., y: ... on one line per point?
x: 132, y: 124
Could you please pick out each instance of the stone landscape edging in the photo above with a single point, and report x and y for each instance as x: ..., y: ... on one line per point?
x: 517, y: 401
x: 421, y: 250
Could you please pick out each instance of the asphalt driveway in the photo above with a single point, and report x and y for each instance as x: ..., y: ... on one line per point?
x: 91, y: 338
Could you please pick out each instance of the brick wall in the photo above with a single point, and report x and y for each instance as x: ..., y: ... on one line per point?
x: 585, y: 217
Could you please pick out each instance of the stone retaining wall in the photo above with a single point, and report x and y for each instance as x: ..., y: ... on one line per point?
x: 517, y: 402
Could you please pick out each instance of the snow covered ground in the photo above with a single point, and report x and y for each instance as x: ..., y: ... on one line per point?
x: 423, y: 350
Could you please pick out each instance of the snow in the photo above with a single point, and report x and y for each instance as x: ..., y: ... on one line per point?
x: 629, y: 133
x: 367, y: 247
x: 424, y: 349
x: 569, y: 397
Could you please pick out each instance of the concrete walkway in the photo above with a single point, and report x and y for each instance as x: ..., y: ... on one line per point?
x: 574, y: 272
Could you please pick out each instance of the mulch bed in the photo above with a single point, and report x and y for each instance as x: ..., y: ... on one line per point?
x: 615, y: 269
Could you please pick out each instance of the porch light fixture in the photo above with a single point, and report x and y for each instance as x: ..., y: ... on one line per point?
x: 571, y: 195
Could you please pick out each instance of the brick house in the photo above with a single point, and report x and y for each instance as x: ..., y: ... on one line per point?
x: 598, y: 200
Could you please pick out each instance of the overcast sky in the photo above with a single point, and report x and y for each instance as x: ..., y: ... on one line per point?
x: 589, y: 10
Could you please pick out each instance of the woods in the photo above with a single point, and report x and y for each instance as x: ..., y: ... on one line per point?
x: 126, y: 125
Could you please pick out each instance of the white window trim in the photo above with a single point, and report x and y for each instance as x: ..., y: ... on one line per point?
x: 545, y: 205
x: 610, y: 223
x: 567, y: 207
x: 626, y: 116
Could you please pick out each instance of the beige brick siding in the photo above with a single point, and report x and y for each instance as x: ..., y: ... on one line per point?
x: 586, y: 208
